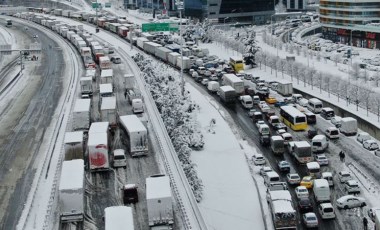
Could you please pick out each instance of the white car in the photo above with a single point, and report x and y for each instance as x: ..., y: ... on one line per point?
x: 302, y: 192
x: 280, y: 131
x: 264, y: 170
x: 213, y: 77
x: 207, y: 73
x: 350, y: 201
x: 204, y: 82
x: 337, y: 121
x: 322, y: 159
x: 370, y: 145
x: 344, y: 176
x: 332, y: 133
x: 310, y: 220
x: 259, y: 122
x: 363, y: 136
x: 258, y: 159
x: 352, y: 186
x: 293, y: 178
x: 326, y: 210
x: 195, y: 74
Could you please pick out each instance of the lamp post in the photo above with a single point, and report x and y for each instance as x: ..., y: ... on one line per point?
x: 271, y: 24
x: 224, y: 20
x: 180, y: 7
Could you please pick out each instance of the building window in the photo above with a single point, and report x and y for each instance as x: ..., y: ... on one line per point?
x: 213, y: 4
x: 211, y: 13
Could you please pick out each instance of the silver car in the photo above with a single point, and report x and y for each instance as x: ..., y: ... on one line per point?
x: 310, y: 220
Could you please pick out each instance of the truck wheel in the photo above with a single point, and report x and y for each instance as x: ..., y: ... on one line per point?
x: 346, y: 207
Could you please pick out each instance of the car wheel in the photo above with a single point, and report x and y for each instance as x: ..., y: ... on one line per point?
x: 363, y: 204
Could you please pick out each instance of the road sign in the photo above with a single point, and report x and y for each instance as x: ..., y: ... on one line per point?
x: 96, y: 5
x: 107, y: 5
x: 147, y: 27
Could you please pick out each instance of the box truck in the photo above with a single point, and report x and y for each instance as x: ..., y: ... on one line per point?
x: 71, y: 191
x: 74, y: 145
x: 86, y: 87
x: 235, y: 82
x: 108, y: 110
x: 81, y: 114
x: 349, y: 126
x: 227, y: 95
x: 150, y: 47
x: 98, y: 146
x: 134, y: 134
x: 118, y: 217
x: 129, y: 81
x: 172, y: 58
x: 159, y: 200
x: 321, y: 190
x: 105, y: 63
x: 285, y: 88
x: 106, y: 76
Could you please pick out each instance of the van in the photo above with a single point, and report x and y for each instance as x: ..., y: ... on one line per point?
x: 329, y: 177
x: 256, y: 100
x: 315, y: 105
x: 327, y: 113
x: 319, y: 143
x: 303, y: 102
x: 321, y: 190
x: 326, y: 210
x: 257, y: 116
x: 246, y: 101
x: 296, y: 97
x: 332, y: 133
x: 310, y: 118
x: 201, y: 70
x: 137, y: 106
x: 264, y: 130
x: 119, y: 159
x: 271, y: 177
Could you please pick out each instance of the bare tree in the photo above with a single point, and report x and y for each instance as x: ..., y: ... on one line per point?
x: 259, y: 57
x: 326, y: 83
x: 376, y: 78
x: 334, y: 82
x: 311, y: 76
x: 318, y: 56
x: 265, y: 60
x: 344, y: 88
x: 365, y: 93
x: 336, y: 58
x: 319, y: 79
x: 354, y: 92
x: 355, y: 71
x: 282, y: 64
x: 295, y: 71
x: 375, y: 101
x: 290, y: 69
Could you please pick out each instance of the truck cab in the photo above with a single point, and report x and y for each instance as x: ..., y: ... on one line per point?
x: 130, y: 194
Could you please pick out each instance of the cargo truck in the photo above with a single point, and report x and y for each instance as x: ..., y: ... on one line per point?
x: 106, y: 76
x: 105, y: 63
x: 349, y: 126
x: 172, y: 58
x: 134, y: 135
x: 133, y: 94
x: 185, y: 62
x: 129, y: 81
x: 140, y: 42
x: 105, y: 90
x: 235, y: 82
x: 98, y: 146
x: 150, y: 47
x: 91, y: 73
x: 86, y: 87
x: 108, y: 110
x: 81, y: 114
x: 162, y: 53
x: 122, y: 31
x: 118, y: 218
x: 283, y: 213
x: 74, y: 145
x: 227, y: 95
x: 97, y: 52
x: 71, y: 191
x: 285, y: 89
x: 277, y: 145
x: 213, y: 86
x: 159, y: 201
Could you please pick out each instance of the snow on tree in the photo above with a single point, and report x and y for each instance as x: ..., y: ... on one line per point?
x: 355, y: 71
x: 336, y: 58
x: 376, y: 77
x: 178, y: 114
x: 375, y: 103
x: 365, y: 93
x: 281, y: 65
x: 280, y: 7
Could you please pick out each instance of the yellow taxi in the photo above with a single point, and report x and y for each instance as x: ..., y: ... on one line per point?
x: 307, y: 181
x: 270, y: 100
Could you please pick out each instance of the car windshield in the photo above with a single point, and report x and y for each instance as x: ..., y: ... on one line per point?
x: 302, y: 190
x: 311, y: 218
x: 334, y: 132
x: 328, y: 210
x: 294, y: 177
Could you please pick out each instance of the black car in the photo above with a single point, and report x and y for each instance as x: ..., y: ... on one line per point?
x: 304, y: 205
x: 264, y: 140
x: 312, y: 133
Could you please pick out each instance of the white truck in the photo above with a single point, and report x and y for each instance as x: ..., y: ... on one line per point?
x: 285, y: 88
x: 71, y: 191
x: 159, y: 200
x: 140, y: 42
x: 213, y: 86
x: 108, y: 110
x: 349, y: 126
x: 172, y: 58
x: 283, y: 214
x: 128, y: 81
x: 106, y: 76
x: 74, y: 145
x: 135, y: 135
x: 97, y: 146
x: 105, y: 63
x: 185, y: 62
x: 321, y: 190
x: 137, y: 106
x: 81, y: 114
x: 118, y: 217
x: 150, y: 47
x: 235, y: 82
x: 162, y: 53
x: 105, y: 90
x: 91, y: 73
x: 86, y: 87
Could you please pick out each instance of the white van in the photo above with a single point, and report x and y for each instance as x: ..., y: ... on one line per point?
x: 329, y: 177
x: 119, y: 159
x: 246, y: 101
x: 137, y: 106
x: 315, y: 105
x: 271, y: 177
x: 327, y: 113
x: 326, y: 210
x: 264, y: 130
x: 256, y: 100
x: 321, y: 190
x: 332, y: 133
x: 319, y: 143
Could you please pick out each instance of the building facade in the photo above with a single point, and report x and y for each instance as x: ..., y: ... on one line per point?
x: 343, y: 19
x: 295, y: 5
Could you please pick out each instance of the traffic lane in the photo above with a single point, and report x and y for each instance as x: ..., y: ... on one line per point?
x: 26, y: 119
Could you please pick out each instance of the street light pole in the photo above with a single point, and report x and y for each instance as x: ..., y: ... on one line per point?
x: 271, y: 24
x: 180, y: 8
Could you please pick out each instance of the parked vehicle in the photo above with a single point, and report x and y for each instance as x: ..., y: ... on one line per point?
x: 326, y: 210
x: 311, y: 119
x: 350, y: 201
x: 319, y: 143
x: 352, y: 186
x: 337, y: 121
x: 370, y: 145
x: 264, y: 170
x: 273, y: 120
x: 349, y: 126
x: 277, y: 145
x: 257, y: 116
x: 327, y: 113
x: 258, y: 159
x: 296, y: 97
x: 71, y: 191
x: 344, y: 176
x: 270, y: 100
x: 301, y: 192
x: 321, y: 190
x: 332, y: 133
x: 159, y: 200
x: 329, y: 177
x: 117, y: 216
x: 310, y: 220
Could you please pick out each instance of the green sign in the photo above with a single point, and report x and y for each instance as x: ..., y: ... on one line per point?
x: 147, y: 27
x: 107, y: 5
x: 96, y: 5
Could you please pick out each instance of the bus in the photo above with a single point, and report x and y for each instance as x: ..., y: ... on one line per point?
x: 237, y: 63
x: 293, y: 118
x: 118, y: 217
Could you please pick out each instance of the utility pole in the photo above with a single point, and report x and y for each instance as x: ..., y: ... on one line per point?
x: 180, y: 7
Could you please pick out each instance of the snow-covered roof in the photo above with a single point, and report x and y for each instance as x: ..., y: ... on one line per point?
x: 106, y: 73
x: 143, y: 39
x: 272, y: 174
x: 280, y: 195
x: 277, y: 138
x: 105, y: 88
x: 302, y: 144
x: 153, y: 44
x: 98, y: 47
x: 86, y: 79
x: 85, y: 49
x: 158, y: 187
x: 104, y: 58
x: 129, y: 186
x: 82, y: 105
x: 321, y: 183
x: 99, y: 127
x: 118, y: 218
x: 232, y: 77
x: 108, y: 103
x: 283, y: 206
x: 90, y: 72
x: 132, y: 123
x: 326, y: 174
x: 313, y: 165
x: 314, y: 100
x: 95, y: 139
x: 73, y: 137
x: 166, y: 50
x: 328, y: 109
x: 128, y: 75
x: 72, y: 175
x: 347, y: 119
x: 119, y: 152
x: 227, y: 88
x: 174, y: 54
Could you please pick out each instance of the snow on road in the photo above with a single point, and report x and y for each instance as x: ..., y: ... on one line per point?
x: 230, y: 199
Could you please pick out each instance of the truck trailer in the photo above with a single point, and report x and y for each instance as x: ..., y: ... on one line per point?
x: 105, y: 63
x: 108, y: 110
x: 81, y: 114
x: 134, y: 134
x: 86, y: 87
x: 71, y: 191
x: 106, y: 76
x: 98, y: 146
x: 227, y: 95
x: 74, y: 145
x: 235, y: 82
x: 285, y: 88
x: 159, y: 200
